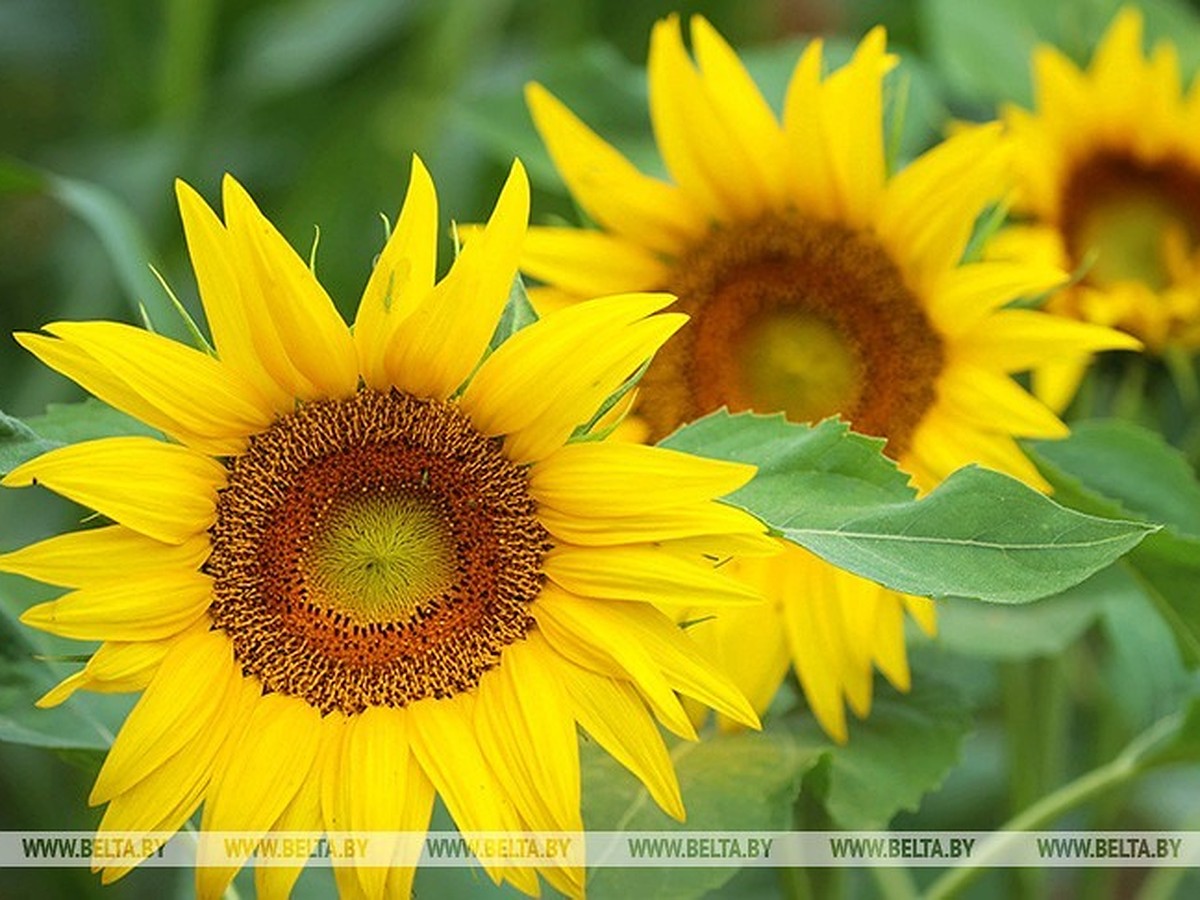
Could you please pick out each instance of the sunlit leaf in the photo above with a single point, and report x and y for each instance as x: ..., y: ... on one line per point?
x: 737, y: 782
x: 980, y: 534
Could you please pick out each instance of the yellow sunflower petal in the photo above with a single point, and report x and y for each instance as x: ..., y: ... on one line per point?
x: 748, y: 642
x: 612, y: 713
x: 438, y: 345
x: 641, y: 638
x: 546, y: 300
x: 148, y: 608
x: 319, y: 361
x: 738, y: 101
x: 416, y: 808
x: 98, y: 380
x: 923, y: 611
x: 647, y: 573
x: 1055, y: 384
x: 259, y: 778
x: 605, y: 344
x: 402, y: 276
x: 116, y: 667
x: 527, y: 732
x: 590, y: 263
x: 64, y: 690
x: 99, y: 555
x: 444, y: 742
x: 643, y: 210
x: 929, y: 208
x: 190, y: 683
x: 168, y: 796
x: 205, y: 397
x: 1115, y: 66
x: 370, y: 783
x: 715, y: 523
x: 965, y: 297
x: 601, y: 654
x: 811, y: 172
x: 887, y: 643
x: 241, y: 327
x: 818, y: 655
x: 1014, y: 340
x: 303, y: 813
x: 852, y: 108
x: 696, y: 143
x: 621, y: 479
x: 160, y: 490
x: 944, y: 444
x: 992, y: 401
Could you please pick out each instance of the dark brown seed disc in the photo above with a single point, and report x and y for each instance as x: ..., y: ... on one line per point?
x: 795, y: 315
x: 1117, y: 213
x: 374, y: 551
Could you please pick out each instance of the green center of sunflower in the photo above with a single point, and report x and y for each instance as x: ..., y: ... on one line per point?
x: 1123, y: 215
x: 381, y: 557
x: 799, y: 363
x: 795, y: 315
x: 374, y: 551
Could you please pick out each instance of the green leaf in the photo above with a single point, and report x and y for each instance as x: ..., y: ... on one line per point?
x: 903, y: 750
x: 518, y: 312
x: 980, y: 534
x: 69, y: 423
x: 746, y: 781
x: 1118, y: 468
x: 1145, y: 672
x: 1168, y: 569
x: 1119, y: 461
x: 1042, y: 628
x: 1173, y: 739
x: 19, y: 443
x: 84, y: 723
x: 62, y: 423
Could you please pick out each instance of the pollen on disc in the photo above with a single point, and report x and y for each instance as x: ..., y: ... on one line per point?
x: 374, y: 551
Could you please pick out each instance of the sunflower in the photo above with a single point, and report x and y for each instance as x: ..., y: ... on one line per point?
x: 1109, y: 185
x: 370, y: 564
x: 818, y: 284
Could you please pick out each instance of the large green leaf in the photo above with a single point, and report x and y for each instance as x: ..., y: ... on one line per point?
x: 86, y: 420
x: 18, y: 443
x: 980, y: 534
x: 30, y: 665
x: 1117, y: 468
x: 902, y: 751
x: 1123, y: 462
x: 62, y: 423
x: 1042, y: 628
x: 735, y: 782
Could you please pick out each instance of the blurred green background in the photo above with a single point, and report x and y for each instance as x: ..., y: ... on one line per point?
x: 316, y: 106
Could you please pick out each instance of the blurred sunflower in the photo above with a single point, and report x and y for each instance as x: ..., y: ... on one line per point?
x: 369, y: 566
x: 817, y: 285
x: 1109, y: 183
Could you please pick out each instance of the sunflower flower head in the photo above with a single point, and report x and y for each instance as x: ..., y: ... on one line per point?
x: 1108, y: 168
x: 370, y: 565
x: 818, y: 283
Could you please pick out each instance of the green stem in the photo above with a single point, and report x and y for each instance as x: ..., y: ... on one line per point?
x: 796, y: 884
x: 1162, y: 883
x: 895, y: 884
x: 1053, y: 806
